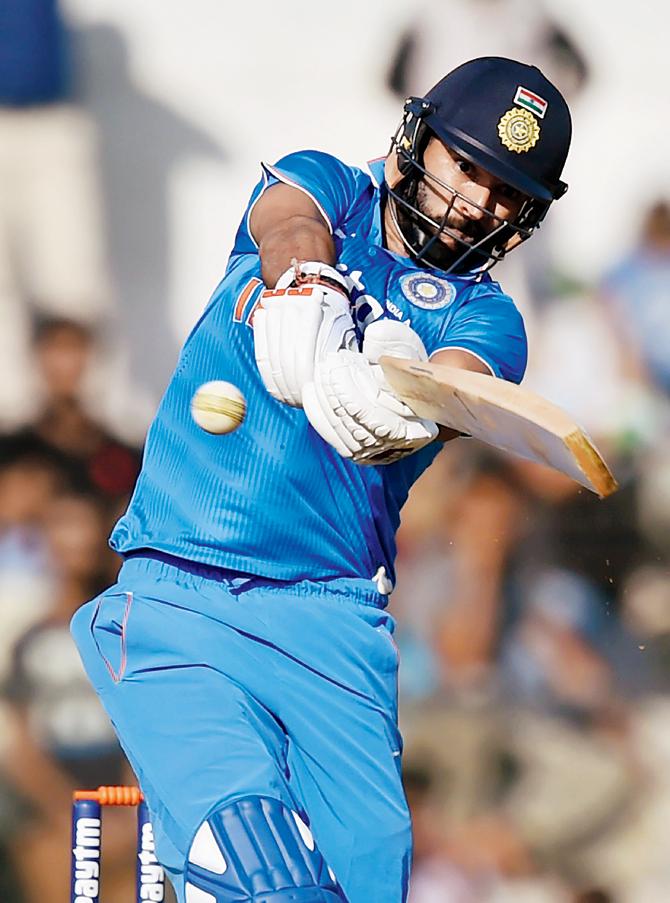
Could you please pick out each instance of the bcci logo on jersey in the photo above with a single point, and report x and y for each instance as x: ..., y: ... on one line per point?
x: 427, y: 291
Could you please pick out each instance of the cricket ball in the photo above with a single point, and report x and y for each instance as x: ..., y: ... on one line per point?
x: 218, y: 407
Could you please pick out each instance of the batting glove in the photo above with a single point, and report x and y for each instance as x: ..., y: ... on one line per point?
x: 352, y: 407
x: 305, y: 317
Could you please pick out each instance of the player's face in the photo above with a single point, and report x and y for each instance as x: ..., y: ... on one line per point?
x: 475, y: 206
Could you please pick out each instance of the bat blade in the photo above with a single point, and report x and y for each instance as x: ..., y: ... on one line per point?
x: 503, y: 415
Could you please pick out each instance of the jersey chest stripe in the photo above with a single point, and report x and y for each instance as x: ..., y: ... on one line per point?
x: 244, y: 297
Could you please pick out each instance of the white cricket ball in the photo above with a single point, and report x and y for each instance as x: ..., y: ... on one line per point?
x: 218, y: 407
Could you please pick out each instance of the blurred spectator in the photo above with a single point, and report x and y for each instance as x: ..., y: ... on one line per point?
x: 90, y: 455
x: 635, y: 295
x: 27, y: 484
x: 646, y: 614
x: 61, y: 738
x: 630, y: 855
x: 576, y: 364
x: 517, y: 801
x: 453, y: 551
x: 44, y: 679
x: 487, y: 525
x: 550, y: 659
x: 51, y: 235
x: 434, y: 878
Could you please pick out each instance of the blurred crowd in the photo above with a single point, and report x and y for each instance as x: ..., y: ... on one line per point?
x: 533, y: 618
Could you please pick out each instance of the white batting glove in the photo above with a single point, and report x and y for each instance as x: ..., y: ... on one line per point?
x: 306, y: 316
x: 352, y: 407
x: 394, y: 338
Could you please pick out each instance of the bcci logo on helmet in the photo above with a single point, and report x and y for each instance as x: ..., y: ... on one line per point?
x: 518, y: 130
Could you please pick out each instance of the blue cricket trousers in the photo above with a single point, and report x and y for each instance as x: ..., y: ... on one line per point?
x: 221, y: 686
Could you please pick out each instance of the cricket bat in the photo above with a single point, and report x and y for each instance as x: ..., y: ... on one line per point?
x: 500, y: 414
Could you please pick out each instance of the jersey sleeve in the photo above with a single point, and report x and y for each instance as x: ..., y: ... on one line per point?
x: 490, y: 327
x: 330, y: 183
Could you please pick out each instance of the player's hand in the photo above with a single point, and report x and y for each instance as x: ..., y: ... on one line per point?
x: 305, y: 317
x: 352, y: 407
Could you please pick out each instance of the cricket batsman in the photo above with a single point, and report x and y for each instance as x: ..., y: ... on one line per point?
x: 245, y: 655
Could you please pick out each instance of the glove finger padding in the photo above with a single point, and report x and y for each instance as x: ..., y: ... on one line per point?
x: 369, y: 397
x: 360, y: 418
x: 262, y: 354
x: 282, y: 370
x: 322, y: 417
x: 341, y: 412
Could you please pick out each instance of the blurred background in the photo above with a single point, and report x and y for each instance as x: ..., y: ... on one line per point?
x: 533, y: 619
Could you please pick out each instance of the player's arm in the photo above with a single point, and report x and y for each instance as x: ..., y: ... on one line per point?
x: 286, y: 225
x: 464, y: 360
x: 458, y: 357
x: 305, y: 312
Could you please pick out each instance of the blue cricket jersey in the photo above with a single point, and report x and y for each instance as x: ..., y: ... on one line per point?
x: 273, y: 499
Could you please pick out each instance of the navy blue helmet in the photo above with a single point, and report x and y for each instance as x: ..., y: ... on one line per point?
x: 504, y: 117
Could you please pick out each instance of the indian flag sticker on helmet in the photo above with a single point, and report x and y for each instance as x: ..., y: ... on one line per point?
x: 531, y: 101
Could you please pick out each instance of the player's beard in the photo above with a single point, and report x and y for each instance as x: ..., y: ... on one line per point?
x: 418, y: 233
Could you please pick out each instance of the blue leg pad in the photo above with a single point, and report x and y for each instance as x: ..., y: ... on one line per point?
x: 256, y: 850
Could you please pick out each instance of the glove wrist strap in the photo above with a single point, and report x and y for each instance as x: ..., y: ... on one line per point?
x: 314, y: 273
